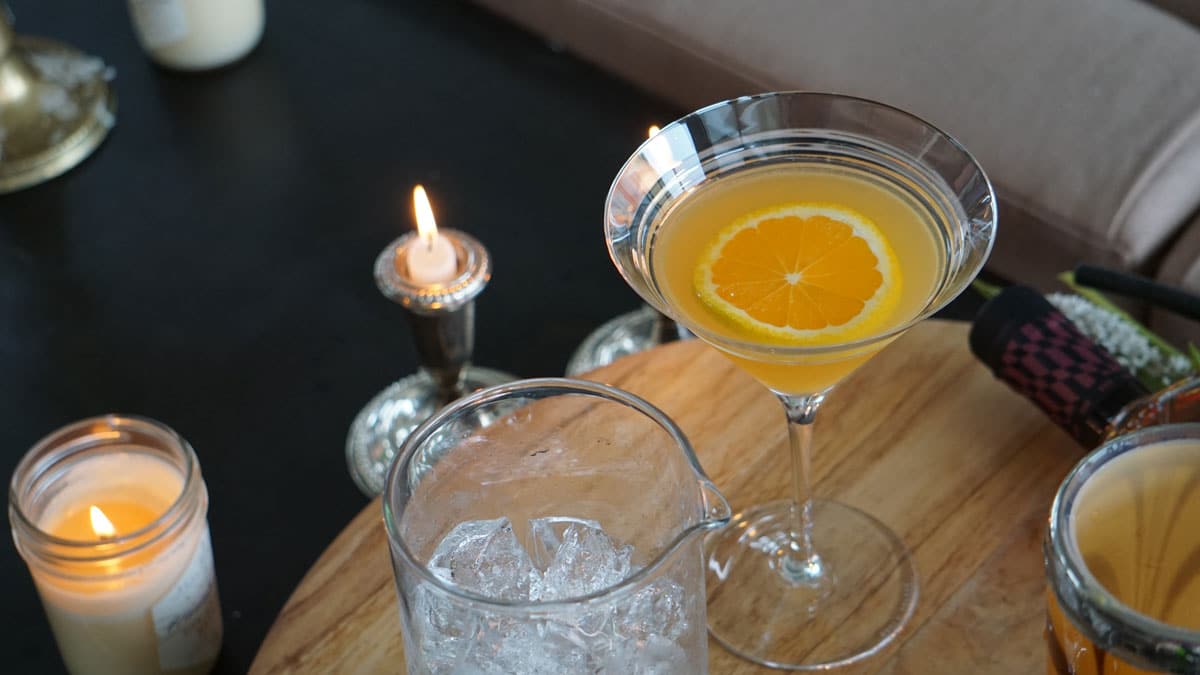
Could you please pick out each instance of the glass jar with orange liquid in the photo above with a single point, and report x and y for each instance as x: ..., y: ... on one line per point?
x: 1123, y: 558
x: 1123, y: 548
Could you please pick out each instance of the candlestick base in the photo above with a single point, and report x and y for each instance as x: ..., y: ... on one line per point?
x: 56, y: 107
x: 385, y: 422
x: 627, y: 334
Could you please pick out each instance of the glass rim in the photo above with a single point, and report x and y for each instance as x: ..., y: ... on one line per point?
x: 943, y: 298
x: 1065, y: 549
x: 28, y: 470
x: 555, y: 386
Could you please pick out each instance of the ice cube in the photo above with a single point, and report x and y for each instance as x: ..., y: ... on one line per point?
x: 547, y: 536
x: 633, y: 636
x: 541, y: 647
x: 484, y: 556
x: 653, y: 656
x: 657, y: 609
x: 586, y: 561
x: 445, y: 630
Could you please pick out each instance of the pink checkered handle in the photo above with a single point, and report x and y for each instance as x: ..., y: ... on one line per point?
x: 1040, y: 354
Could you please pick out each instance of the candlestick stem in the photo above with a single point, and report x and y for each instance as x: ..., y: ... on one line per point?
x: 16, y: 80
x: 445, y: 343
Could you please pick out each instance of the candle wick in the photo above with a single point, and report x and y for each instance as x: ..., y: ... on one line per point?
x: 428, y: 240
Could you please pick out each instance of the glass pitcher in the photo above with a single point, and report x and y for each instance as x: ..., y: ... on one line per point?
x: 551, y: 526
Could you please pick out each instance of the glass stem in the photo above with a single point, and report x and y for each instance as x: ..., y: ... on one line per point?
x: 802, y: 564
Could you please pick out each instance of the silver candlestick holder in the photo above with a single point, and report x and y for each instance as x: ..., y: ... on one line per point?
x: 644, y: 327
x: 636, y: 331
x: 442, y: 317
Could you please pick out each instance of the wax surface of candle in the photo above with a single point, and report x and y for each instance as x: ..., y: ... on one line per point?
x: 126, y: 517
x: 433, y: 263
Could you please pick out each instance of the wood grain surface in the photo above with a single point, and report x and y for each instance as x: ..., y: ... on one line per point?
x: 921, y: 437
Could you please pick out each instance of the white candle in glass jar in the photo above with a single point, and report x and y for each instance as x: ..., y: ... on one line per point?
x: 197, y: 34
x: 120, y: 553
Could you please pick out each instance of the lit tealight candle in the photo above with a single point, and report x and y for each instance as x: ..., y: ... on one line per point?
x: 430, y: 258
x: 110, y: 516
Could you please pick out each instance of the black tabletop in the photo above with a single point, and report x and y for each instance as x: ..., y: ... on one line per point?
x: 210, y: 266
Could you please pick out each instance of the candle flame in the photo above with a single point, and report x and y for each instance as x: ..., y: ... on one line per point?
x: 426, y: 225
x: 101, y: 525
x: 653, y: 130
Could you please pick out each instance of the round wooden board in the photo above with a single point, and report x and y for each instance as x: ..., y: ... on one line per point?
x: 921, y: 437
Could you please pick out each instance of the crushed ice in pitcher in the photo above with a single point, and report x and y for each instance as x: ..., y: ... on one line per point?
x: 568, y: 558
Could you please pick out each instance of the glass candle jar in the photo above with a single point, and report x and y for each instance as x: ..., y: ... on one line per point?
x: 1123, y: 558
x: 197, y: 34
x: 110, y: 514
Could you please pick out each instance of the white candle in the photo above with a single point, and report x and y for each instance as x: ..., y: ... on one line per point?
x: 197, y: 34
x: 430, y: 257
x: 138, y: 594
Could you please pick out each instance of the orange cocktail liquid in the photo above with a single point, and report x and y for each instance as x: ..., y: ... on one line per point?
x: 1137, y: 525
x: 696, y: 218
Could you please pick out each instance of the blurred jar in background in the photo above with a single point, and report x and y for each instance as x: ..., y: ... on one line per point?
x: 197, y: 34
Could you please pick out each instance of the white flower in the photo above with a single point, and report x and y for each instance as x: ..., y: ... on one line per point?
x: 1125, y: 341
x: 1178, y: 363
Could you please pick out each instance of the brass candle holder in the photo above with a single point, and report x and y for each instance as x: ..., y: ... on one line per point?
x: 56, y: 107
x: 442, y: 317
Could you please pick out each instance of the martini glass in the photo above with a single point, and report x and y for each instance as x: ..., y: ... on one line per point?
x: 802, y: 584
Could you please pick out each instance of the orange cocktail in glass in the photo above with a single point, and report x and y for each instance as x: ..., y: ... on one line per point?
x: 799, y: 234
x: 799, y: 254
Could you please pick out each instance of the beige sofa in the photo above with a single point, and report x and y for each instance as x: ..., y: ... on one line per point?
x: 1085, y: 113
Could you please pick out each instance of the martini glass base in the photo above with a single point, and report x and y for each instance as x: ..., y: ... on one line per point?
x: 380, y: 428
x: 859, y: 607
x: 629, y: 333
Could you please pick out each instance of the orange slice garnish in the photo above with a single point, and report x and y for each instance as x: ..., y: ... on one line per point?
x: 801, y: 272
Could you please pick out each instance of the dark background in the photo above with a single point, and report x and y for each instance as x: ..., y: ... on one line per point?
x: 210, y: 265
